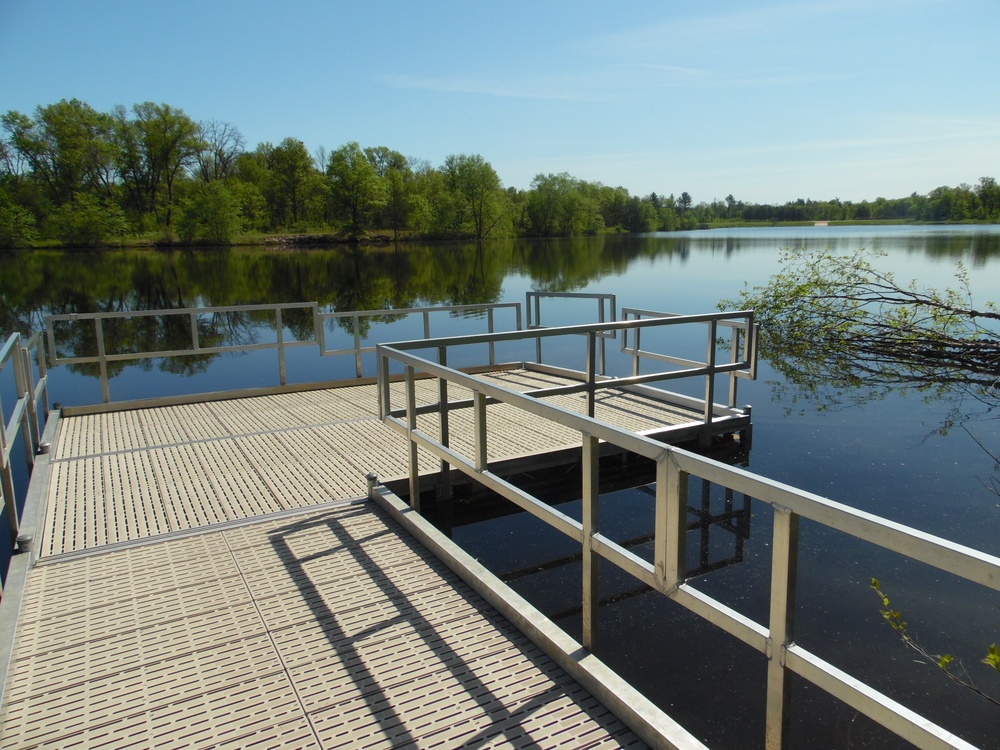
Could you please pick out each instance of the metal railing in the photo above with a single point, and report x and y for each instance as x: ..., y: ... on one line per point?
x: 191, y: 331
x: 667, y: 572
x: 193, y: 317
x: 26, y: 419
x: 426, y: 313
x: 742, y: 344
x: 605, y: 313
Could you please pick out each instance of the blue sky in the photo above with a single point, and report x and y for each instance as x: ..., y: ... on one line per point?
x: 769, y: 101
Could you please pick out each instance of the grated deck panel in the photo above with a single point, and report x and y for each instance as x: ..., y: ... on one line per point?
x: 332, y: 629
x: 134, y: 474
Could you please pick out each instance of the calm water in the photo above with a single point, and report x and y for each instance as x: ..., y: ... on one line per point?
x: 916, y: 461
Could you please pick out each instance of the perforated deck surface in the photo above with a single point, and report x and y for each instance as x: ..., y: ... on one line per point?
x: 329, y: 630
x: 134, y: 474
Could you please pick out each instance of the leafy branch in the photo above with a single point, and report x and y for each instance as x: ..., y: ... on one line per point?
x: 944, y: 662
x: 839, y: 320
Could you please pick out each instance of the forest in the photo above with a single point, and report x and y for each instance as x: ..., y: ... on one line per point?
x: 73, y: 176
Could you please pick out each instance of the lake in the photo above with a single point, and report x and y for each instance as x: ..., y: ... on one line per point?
x: 920, y: 460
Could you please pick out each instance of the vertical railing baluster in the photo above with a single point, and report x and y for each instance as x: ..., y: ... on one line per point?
x: 490, y: 326
x: 444, y: 484
x: 102, y: 360
x: 733, y: 380
x: 479, y: 425
x: 7, y: 477
x: 35, y: 429
x: 710, y: 377
x: 357, y: 343
x: 591, y: 376
x: 411, y: 426
x: 195, y: 337
x: 280, y: 327
x: 427, y: 325
x: 784, y: 573
x: 670, y: 540
x: 591, y: 526
x: 24, y: 391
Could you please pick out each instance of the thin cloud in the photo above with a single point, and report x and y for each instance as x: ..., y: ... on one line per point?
x: 601, y: 84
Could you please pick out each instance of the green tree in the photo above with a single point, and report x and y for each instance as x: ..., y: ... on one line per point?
x: 212, y: 213
x: 67, y: 147
x: 358, y: 191
x: 292, y: 182
x: 17, y: 224
x: 156, y: 145
x: 479, y: 198
x: 87, y: 221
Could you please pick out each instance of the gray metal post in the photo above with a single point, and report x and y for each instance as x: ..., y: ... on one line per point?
x: 670, y: 545
x: 357, y: 344
x: 591, y: 377
x: 784, y: 572
x: 280, y: 327
x: 102, y: 361
x: 591, y: 526
x: 479, y: 415
x: 411, y: 426
x: 444, y: 483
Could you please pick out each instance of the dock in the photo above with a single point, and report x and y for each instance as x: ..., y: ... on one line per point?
x: 210, y: 575
x: 241, y: 570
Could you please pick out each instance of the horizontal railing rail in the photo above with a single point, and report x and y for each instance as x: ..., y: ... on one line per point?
x: 667, y: 572
x: 591, y: 381
x: 195, y: 346
x: 490, y: 310
x: 193, y: 334
x: 606, y: 312
x: 26, y: 420
x: 742, y: 344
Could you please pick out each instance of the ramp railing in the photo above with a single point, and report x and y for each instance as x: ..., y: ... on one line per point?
x: 667, y: 573
x: 21, y: 357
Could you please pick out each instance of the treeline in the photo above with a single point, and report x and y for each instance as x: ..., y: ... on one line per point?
x: 73, y: 175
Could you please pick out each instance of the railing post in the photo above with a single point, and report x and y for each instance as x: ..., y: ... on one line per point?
x: 280, y: 328
x: 357, y: 344
x: 591, y: 526
x: 490, y: 326
x: 670, y: 540
x: 591, y: 377
x: 382, y: 372
x: 784, y: 572
x: 34, y: 426
x: 411, y: 426
x: 102, y: 360
x: 733, y: 380
x: 195, y: 337
x: 444, y: 484
x: 22, y: 381
x: 635, y: 352
x: 479, y: 426
x: 710, y: 377
x: 427, y: 325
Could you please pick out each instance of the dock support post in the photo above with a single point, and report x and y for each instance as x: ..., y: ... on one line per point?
x: 784, y: 573
x: 591, y: 526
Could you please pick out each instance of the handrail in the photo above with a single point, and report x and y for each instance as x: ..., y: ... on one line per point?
x: 196, y: 347
x: 592, y: 381
x: 533, y: 304
x: 667, y: 574
x: 356, y: 315
x: 103, y: 357
x: 32, y: 400
x: 742, y: 334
